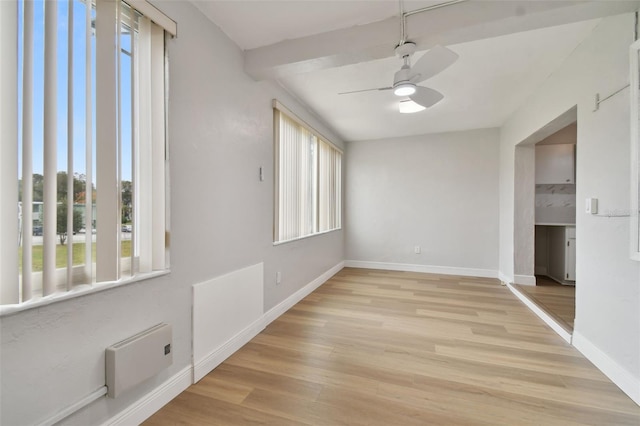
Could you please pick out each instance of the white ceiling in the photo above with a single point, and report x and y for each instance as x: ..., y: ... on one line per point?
x: 493, y: 76
x: 257, y: 23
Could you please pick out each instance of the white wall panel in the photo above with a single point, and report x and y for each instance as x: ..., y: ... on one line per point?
x: 234, y: 300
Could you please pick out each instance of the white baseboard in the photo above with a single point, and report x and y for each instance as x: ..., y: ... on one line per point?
x: 428, y: 269
x: 226, y: 313
x: 152, y: 402
x: 287, y: 303
x: 504, y: 279
x: 614, y: 371
x: 146, y: 406
x: 524, y: 279
x: 560, y: 280
x: 541, y: 314
x: 215, y: 358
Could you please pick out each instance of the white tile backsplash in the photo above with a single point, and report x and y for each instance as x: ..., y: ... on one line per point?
x: 555, y: 203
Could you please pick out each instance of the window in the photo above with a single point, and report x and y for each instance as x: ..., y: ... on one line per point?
x: 308, y: 179
x: 84, y: 153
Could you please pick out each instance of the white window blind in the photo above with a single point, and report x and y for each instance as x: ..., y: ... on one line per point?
x: 308, y: 179
x: 89, y: 143
x: 330, y: 188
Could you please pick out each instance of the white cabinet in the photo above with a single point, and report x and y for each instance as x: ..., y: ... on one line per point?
x: 562, y: 253
x: 555, y: 164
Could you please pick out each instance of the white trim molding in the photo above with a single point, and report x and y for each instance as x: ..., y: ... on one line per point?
x: 504, y: 279
x: 566, y: 336
x: 145, y: 407
x: 622, y: 378
x: 217, y: 357
x: 235, y: 299
x: 288, y: 303
x: 150, y: 403
x: 524, y: 279
x: 202, y: 367
x: 206, y: 364
x: 428, y: 269
x: 71, y: 409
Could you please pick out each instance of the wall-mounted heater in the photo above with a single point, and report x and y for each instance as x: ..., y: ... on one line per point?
x: 138, y: 358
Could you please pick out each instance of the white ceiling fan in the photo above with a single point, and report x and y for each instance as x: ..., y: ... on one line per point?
x: 436, y: 60
x: 405, y: 81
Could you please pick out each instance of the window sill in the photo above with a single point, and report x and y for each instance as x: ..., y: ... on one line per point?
x: 81, y: 290
x: 279, y: 243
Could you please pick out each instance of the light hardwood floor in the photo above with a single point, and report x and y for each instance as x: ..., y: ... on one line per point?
x: 396, y: 348
x: 555, y: 299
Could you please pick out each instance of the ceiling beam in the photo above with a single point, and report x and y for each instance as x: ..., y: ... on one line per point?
x: 457, y: 23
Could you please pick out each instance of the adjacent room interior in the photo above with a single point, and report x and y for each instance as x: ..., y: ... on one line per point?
x: 319, y: 212
x: 555, y: 228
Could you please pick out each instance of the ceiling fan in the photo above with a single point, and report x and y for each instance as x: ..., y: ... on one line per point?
x: 405, y: 81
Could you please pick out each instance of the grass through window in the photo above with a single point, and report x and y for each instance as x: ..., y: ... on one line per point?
x: 61, y: 254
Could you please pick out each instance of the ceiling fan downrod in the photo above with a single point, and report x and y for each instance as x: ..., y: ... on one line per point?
x: 402, y: 84
x: 404, y: 15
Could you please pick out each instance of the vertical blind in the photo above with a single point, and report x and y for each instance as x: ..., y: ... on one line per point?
x: 90, y: 137
x: 308, y: 179
x: 330, y: 185
x: 8, y: 169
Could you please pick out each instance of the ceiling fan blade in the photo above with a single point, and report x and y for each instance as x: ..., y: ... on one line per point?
x: 365, y: 90
x: 433, y: 62
x: 426, y: 97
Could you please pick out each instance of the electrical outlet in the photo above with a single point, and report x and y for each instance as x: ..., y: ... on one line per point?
x: 278, y: 277
x: 416, y: 250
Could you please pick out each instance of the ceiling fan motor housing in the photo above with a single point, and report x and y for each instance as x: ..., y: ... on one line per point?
x: 405, y: 49
x: 402, y: 76
x: 405, y: 81
x: 402, y: 85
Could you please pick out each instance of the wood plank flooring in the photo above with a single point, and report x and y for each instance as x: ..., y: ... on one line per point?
x: 396, y: 348
x: 555, y: 299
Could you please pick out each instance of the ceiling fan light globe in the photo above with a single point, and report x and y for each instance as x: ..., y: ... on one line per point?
x: 404, y: 89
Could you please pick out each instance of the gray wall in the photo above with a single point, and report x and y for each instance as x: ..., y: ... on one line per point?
x: 607, y: 326
x: 437, y: 191
x: 220, y: 131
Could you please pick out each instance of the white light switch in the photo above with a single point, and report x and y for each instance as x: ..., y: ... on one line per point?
x: 592, y: 206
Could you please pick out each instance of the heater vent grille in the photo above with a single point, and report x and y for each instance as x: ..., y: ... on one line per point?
x: 138, y: 358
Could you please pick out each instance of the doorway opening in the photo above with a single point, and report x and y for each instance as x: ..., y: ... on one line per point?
x: 545, y: 222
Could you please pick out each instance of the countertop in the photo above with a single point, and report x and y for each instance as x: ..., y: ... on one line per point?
x: 555, y: 224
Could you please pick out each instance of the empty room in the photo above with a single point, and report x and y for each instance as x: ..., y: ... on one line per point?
x: 368, y: 212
